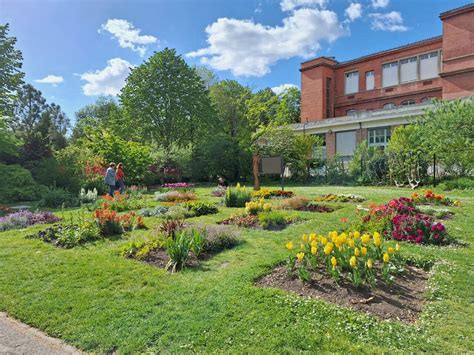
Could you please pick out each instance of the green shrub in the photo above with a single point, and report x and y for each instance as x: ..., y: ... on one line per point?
x: 271, y: 220
x: 464, y: 183
x: 177, y: 212
x: 140, y: 249
x: 17, y: 184
x: 51, y: 172
x: 237, y: 197
x: 179, y: 248
x: 201, y: 208
x: 57, y: 198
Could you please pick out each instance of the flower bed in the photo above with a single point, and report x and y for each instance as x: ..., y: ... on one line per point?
x: 25, y: 218
x: 340, y: 198
x: 300, y: 203
x: 178, y: 185
x: 428, y: 197
x: 360, y: 258
x: 178, y: 246
x: 401, y: 220
x: 175, y: 196
x: 269, y: 220
x: 267, y: 193
x: 121, y: 202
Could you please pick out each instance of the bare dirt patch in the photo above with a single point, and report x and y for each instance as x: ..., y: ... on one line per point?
x: 402, y: 301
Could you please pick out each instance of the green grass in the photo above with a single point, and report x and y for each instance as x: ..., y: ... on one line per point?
x: 99, y: 301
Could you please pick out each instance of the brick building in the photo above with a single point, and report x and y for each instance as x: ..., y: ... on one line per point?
x: 367, y: 97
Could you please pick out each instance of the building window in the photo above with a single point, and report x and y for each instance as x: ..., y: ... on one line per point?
x: 346, y: 143
x: 328, y: 98
x: 428, y: 65
x: 408, y: 102
x: 379, y: 137
x: 390, y: 74
x: 408, y: 69
x: 369, y: 80
x: 426, y: 100
x: 352, y: 82
x: 389, y: 106
x: 351, y: 112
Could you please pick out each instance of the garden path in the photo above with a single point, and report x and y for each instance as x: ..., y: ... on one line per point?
x: 19, y: 338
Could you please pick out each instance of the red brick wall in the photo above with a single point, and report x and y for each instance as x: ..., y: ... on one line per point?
x: 330, y: 144
x: 458, y: 54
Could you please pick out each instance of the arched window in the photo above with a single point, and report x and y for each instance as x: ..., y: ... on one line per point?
x: 408, y: 102
x: 426, y: 100
x: 351, y: 112
x: 389, y: 106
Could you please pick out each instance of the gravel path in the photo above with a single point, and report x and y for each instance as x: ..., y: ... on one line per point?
x: 19, y: 338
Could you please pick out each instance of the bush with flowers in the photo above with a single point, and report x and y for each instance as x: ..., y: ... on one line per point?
x: 401, y: 220
x: 428, y: 197
x: 254, y: 207
x: 178, y: 185
x: 111, y: 223
x: 359, y: 257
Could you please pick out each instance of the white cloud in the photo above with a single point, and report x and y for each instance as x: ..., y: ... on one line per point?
x: 51, y: 79
x: 128, y: 36
x: 354, y: 11
x: 107, y: 81
x: 391, y: 21
x: 249, y: 49
x: 380, y: 4
x: 282, y: 88
x: 289, y: 5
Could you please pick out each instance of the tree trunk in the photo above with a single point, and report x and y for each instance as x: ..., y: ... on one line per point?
x: 256, y: 179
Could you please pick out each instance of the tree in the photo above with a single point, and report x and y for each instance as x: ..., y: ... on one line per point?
x: 447, y: 130
x: 407, y: 159
x: 288, y: 110
x: 262, y: 108
x: 167, y: 101
x: 208, y: 77
x: 11, y: 76
x: 105, y: 113
x: 8, y: 143
x: 305, y: 158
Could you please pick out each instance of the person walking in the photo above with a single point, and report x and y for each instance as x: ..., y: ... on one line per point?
x: 110, y: 178
x: 120, y: 178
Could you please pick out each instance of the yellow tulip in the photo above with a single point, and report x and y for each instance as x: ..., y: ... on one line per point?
x: 363, y: 251
x: 390, y: 250
x: 365, y: 239
x: 353, y: 262
x: 302, y: 246
x: 386, y: 258
x: 289, y: 245
x: 397, y: 247
x: 356, y: 252
x: 376, y: 235
x: 300, y: 256
x: 328, y: 248
x: 314, y: 243
x: 377, y: 241
x: 350, y: 243
x: 323, y: 240
x: 313, y: 237
x: 370, y: 264
x: 356, y: 235
x: 314, y: 250
x: 305, y: 238
x: 333, y: 261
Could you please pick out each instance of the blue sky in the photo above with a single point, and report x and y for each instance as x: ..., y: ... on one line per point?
x: 76, y: 50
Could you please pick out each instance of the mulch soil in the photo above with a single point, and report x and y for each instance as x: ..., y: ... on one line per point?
x: 317, y: 208
x: 402, y: 301
x: 159, y: 258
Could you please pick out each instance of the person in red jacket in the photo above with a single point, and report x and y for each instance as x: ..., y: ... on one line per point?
x: 120, y: 178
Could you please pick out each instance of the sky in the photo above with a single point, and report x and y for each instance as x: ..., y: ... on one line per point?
x: 75, y: 51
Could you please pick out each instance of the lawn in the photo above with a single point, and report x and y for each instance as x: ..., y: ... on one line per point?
x: 99, y: 301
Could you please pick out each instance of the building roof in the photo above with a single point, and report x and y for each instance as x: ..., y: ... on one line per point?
x: 467, y: 7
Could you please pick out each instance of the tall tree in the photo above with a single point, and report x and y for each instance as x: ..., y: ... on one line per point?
x: 262, y: 108
x: 11, y: 76
x: 167, y: 100
x: 288, y: 110
x: 208, y: 77
x: 229, y: 100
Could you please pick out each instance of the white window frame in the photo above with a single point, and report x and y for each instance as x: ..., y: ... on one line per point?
x: 408, y: 102
x: 378, y: 136
x: 391, y: 64
x: 370, y: 74
x: 406, y: 63
x: 350, y: 74
x: 429, y: 55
